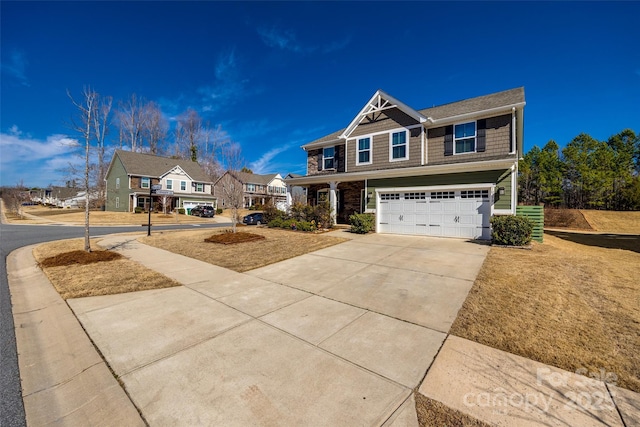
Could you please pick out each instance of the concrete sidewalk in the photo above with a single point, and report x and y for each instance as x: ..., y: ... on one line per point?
x: 290, y: 343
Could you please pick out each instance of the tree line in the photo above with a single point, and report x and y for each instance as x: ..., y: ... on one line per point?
x: 585, y: 174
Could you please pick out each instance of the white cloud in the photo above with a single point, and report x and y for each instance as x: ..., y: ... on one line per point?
x: 227, y: 87
x: 287, y: 40
x: 266, y: 164
x: 16, y: 67
x: 36, y: 162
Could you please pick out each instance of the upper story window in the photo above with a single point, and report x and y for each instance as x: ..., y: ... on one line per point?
x: 169, y: 184
x: 144, y: 182
x: 398, y: 146
x: 200, y: 187
x: 328, y: 158
x: 251, y: 187
x: 364, y: 151
x: 117, y: 183
x: 464, y: 138
x: 183, y: 185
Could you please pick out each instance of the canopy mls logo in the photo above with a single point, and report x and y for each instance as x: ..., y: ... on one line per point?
x: 582, y: 392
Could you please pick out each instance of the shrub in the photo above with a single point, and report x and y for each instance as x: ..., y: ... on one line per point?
x: 270, y: 212
x: 181, y: 211
x: 138, y: 210
x: 362, y: 223
x: 511, y: 230
x: 218, y: 211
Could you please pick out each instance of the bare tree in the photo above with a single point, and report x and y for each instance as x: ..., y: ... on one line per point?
x: 232, y: 187
x: 101, y: 129
x: 131, y: 121
x: 189, y: 134
x: 215, y: 140
x: 155, y: 128
x: 165, y: 202
x: 82, y: 125
x: 14, y: 197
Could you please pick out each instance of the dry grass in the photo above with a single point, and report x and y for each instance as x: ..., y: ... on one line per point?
x: 613, y: 222
x: 278, y: 245
x: 565, y: 218
x: 432, y: 413
x: 101, y: 278
x: 563, y: 303
x: 42, y: 214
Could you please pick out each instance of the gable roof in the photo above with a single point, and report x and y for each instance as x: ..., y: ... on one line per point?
x: 250, y: 178
x: 143, y: 164
x: 504, y: 100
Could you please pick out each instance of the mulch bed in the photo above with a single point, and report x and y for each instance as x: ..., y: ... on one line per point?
x: 232, y: 238
x: 79, y: 257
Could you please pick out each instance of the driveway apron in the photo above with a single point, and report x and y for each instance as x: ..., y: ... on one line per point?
x: 340, y: 336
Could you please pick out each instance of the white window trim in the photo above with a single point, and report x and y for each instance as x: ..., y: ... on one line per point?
x: 117, y: 183
x: 199, y: 191
x: 169, y: 184
x: 370, y: 150
x: 117, y: 202
x: 406, y: 145
x: 185, y: 185
x: 333, y: 158
x: 475, y: 138
x: 142, y: 179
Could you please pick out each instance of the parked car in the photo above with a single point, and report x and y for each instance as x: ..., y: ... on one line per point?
x: 203, y: 211
x: 253, y: 219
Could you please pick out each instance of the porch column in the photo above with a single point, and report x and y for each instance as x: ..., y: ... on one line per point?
x: 289, y: 196
x: 333, y: 200
x: 135, y: 202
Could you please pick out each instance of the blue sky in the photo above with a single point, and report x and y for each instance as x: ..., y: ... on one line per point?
x: 276, y: 75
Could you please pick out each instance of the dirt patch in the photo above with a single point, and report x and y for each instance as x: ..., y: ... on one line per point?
x: 613, y: 221
x: 80, y: 257
x: 563, y: 303
x: 432, y: 413
x: 565, y: 218
x: 233, y: 238
x: 278, y: 245
x: 77, y: 280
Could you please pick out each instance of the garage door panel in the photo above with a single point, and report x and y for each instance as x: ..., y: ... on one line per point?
x: 460, y: 213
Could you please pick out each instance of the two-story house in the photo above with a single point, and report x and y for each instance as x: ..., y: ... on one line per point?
x: 130, y: 177
x: 439, y: 171
x: 257, y: 189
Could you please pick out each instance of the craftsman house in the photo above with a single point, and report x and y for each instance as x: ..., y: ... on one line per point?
x: 257, y: 189
x: 439, y: 171
x: 131, y: 176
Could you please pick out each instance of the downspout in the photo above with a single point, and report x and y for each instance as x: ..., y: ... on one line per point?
x: 514, y: 149
x: 520, y: 129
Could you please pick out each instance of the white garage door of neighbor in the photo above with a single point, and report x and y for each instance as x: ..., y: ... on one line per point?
x: 456, y: 213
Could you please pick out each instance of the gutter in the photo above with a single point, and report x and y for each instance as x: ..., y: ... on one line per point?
x: 451, y: 119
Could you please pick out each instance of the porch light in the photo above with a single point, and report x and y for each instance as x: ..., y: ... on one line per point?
x: 501, y: 191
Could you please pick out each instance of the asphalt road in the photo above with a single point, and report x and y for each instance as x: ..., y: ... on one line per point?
x: 13, y: 237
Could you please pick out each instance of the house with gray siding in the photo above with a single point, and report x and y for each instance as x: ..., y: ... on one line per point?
x: 130, y: 177
x: 439, y: 171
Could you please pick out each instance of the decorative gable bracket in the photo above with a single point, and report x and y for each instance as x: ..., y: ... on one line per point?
x: 379, y: 102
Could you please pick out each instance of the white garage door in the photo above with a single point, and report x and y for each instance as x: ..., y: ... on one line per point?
x: 456, y: 213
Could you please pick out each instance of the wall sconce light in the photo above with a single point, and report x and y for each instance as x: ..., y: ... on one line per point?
x: 501, y: 191
x: 369, y: 194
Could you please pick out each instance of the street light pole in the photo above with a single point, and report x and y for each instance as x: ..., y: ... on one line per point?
x: 150, y: 203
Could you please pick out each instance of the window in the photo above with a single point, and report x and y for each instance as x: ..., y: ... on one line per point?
x: 364, y: 151
x: 200, y: 187
x: 183, y: 185
x: 415, y: 196
x: 474, y: 194
x: 251, y: 188
x: 143, y: 202
x: 328, y: 156
x: 144, y: 182
x: 117, y: 183
x: 464, y: 138
x: 117, y: 202
x: 390, y: 196
x: 169, y: 184
x: 443, y: 195
x: 399, y: 146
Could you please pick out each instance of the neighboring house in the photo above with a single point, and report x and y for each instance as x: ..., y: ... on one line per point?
x: 440, y: 171
x: 131, y: 175
x: 257, y: 189
x: 63, y: 197
x: 297, y: 193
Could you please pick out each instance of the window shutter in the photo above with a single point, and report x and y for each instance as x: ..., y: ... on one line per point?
x: 448, y: 140
x: 320, y: 160
x: 481, y: 139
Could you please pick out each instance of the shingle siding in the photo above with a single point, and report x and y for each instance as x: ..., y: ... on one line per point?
x: 498, y: 143
x: 387, y: 120
x: 380, y: 152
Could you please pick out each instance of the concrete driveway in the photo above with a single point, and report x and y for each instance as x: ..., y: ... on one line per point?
x: 340, y: 336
